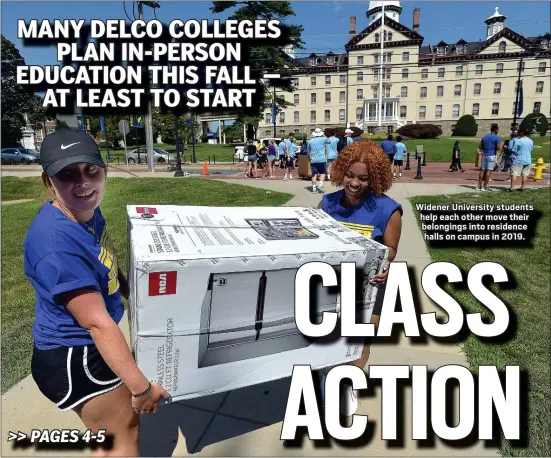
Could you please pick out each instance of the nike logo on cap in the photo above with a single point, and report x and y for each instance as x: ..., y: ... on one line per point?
x: 68, y: 146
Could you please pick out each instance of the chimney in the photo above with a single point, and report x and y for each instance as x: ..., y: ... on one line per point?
x: 352, y: 27
x: 416, y: 14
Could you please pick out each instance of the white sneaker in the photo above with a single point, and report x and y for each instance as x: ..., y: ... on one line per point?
x: 314, y: 190
x: 291, y: 177
x: 285, y: 178
x: 349, y: 400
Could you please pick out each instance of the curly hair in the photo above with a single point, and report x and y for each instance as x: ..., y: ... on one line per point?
x: 370, y: 154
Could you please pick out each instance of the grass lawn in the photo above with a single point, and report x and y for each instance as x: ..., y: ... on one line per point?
x: 440, y: 149
x: 17, y: 294
x: 530, y: 347
x: 203, y: 151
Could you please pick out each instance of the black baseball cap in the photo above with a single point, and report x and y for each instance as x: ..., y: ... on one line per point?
x: 65, y: 147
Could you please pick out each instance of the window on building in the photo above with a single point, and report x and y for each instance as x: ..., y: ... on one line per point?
x: 457, y: 90
x: 359, y: 113
x: 539, y: 87
x: 497, y: 88
x: 51, y: 131
x: 460, y: 49
x: 542, y: 66
x: 327, y: 116
x: 545, y: 43
x: 360, y: 76
x: 387, y: 57
x: 359, y: 94
x: 459, y: 70
x: 386, y: 73
x: 342, y: 97
x: 295, y: 82
x: 360, y: 60
x: 375, y: 93
x: 440, y: 91
x: 441, y: 72
x: 477, y: 89
x: 405, y: 73
x: 387, y: 36
x: 405, y: 57
x: 456, y: 110
x: 403, y: 111
x: 312, y: 61
x: 404, y: 91
x: 438, y: 111
x: 376, y: 58
x: 328, y: 80
x: 296, y: 98
x: 313, y: 81
x: 313, y: 116
x: 499, y: 68
x: 478, y: 70
x: 521, y: 66
x: 476, y: 109
x: 376, y: 74
x: 495, y: 108
x: 282, y: 117
x: 267, y: 118
x: 387, y: 91
x: 343, y: 79
x: 502, y: 47
x: 341, y: 116
x: 296, y: 117
x: 441, y: 50
x: 422, y: 112
x: 377, y: 38
x: 424, y: 73
x: 313, y: 98
x: 537, y: 107
x: 327, y: 97
x: 514, y: 108
x: 423, y: 92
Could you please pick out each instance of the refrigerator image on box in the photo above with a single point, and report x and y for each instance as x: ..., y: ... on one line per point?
x: 247, y: 315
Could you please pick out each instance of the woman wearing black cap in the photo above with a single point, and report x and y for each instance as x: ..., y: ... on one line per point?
x: 81, y: 360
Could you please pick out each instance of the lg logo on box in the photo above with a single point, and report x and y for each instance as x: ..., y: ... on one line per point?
x: 162, y: 283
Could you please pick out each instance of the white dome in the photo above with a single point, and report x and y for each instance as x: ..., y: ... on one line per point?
x: 377, y: 3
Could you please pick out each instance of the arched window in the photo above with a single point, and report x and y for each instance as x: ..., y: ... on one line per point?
x: 502, y: 46
x: 377, y: 38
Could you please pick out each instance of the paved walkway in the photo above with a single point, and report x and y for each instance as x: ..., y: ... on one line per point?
x: 247, y: 422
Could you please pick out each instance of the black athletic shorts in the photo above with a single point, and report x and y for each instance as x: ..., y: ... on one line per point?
x: 68, y: 376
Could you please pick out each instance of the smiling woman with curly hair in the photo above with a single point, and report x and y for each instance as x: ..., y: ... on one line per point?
x: 361, y: 169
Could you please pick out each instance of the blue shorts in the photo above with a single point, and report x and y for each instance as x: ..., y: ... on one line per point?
x: 488, y: 162
x: 319, y: 168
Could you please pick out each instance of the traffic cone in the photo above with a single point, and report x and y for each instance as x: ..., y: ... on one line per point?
x: 205, y: 168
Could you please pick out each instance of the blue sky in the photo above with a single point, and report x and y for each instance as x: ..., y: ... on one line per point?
x: 325, y: 23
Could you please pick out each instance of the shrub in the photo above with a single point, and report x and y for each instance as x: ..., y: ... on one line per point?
x: 535, y: 122
x: 339, y: 131
x: 419, y: 131
x: 381, y: 136
x: 465, y: 127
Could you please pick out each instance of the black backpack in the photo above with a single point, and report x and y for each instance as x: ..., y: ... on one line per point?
x: 341, y: 144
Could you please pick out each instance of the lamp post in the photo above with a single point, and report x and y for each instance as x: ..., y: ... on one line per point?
x: 179, y: 172
x: 380, y: 115
x: 514, y: 125
x: 193, y: 158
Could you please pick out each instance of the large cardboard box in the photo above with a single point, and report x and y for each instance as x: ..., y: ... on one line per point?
x: 304, y: 165
x: 212, y: 293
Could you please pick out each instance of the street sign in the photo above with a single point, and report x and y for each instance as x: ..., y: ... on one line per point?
x: 124, y: 128
x: 102, y: 123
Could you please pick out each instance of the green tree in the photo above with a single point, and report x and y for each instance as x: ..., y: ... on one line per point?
x: 17, y: 100
x: 465, y: 127
x: 61, y: 125
x: 267, y: 57
x: 535, y: 122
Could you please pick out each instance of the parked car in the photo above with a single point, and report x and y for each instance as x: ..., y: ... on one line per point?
x: 31, y: 152
x: 17, y: 156
x: 139, y: 156
x: 239, y: 151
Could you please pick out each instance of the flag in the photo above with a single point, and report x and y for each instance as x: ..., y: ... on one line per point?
x: 102, y: 123
x: 520, y: 101
x: 80, y: 123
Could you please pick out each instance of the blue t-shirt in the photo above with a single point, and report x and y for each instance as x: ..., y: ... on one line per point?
x: 349, y: 140
x: 489, y: 144
x: 282, y: 146
x: 331, y: 147
x: 388, y: 146
x: 400, y: 150
x: 61, y: 256
x: 292, y: 147
x: 316, y: 148
x: 523, y: 147
x: 369, y: 218
x: 511, y: 146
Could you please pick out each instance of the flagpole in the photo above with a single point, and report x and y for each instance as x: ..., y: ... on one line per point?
x: 274, y: 112
x: 514, y: 126
x: 381, y: 65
